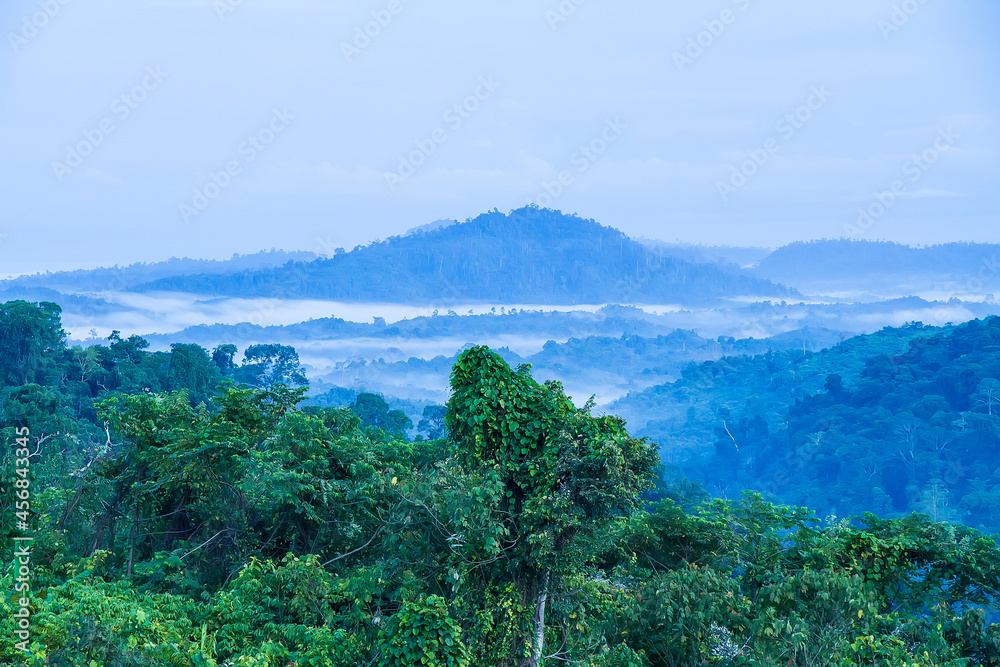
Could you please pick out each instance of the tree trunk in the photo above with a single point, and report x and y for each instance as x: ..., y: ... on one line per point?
x: 107, y: 518
x: 178, y: 522
x: 70, y: 506
x: 131, y: 539
x: 538, y: 624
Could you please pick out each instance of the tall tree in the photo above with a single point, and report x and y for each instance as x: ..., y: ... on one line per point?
x: 191, y: 369
x: 30, y: 336
x: 432, y: 421
x: 266, y: 365
x: 373, y: 411
x: 224, y: 358
x: 566, y: 474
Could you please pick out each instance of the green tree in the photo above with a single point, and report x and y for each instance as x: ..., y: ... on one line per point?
x: 131, y: 368
x: 265, y: 365
x: 566, y: 475
x: 432, y: 422
x: 31, y: 336
x: 224, y: 358
x: 374, y: 412
x: 192, y: 370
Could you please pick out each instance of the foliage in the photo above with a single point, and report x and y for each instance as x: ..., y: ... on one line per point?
x: 272, y: 364
x: 422, y: 633
x: 905, y: 420
x: 374, y: 412
x: 245, y: 530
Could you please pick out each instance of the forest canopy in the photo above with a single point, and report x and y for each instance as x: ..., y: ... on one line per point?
x: 189, y: 510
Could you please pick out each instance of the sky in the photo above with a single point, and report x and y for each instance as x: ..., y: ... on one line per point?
x: 137, y: 130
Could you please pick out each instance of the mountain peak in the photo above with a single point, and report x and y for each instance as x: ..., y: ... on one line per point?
x: 430, y: 227
x: 530, y: 255
x: 530, y: 221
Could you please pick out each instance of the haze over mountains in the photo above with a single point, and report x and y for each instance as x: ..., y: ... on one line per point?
x: 126, y: 277
x: 693, y: 345
x: 530, y: 259
x: 544, y: 257
x: 391, y: 315
x: 961, y: 270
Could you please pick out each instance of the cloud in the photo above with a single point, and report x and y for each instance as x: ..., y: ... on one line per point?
x: 354, y: 119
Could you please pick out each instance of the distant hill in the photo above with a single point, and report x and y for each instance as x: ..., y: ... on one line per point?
x: 683, y: 416
x: 743, y: 256
x: 604, y: 366
x: 532, y: 256
x: 915, y: 430
x: 884, y: 268
x: 119, y: 278
x: 906, y: 419
x: 431, y: 226
x: 539, y: 256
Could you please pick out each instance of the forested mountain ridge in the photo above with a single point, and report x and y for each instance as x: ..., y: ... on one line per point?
x: 684, y: 414
x: 118, y: 278
x: 917, y: 431
x: 542, y: 256
x: 531, y: 256
x: 899, y: 421
x: 854, y: 265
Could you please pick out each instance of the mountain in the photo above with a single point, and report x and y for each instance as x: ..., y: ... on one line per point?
x: 743, y: 256
x: 536, y: 256
x: 902, y: 420
x: 431, y: 226
x: 913, y: 431
x: 118, y: 278
x: 531, y: 256
x: 684, y: 415
x: 962, y: 270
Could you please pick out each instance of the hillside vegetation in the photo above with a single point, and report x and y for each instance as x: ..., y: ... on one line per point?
x: 900, y: 421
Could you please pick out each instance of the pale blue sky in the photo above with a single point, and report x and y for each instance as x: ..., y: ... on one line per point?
x: 665, y: 131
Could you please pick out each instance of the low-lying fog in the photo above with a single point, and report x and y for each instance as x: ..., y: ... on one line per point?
x: 167, y: 312
x: 416, y: 366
